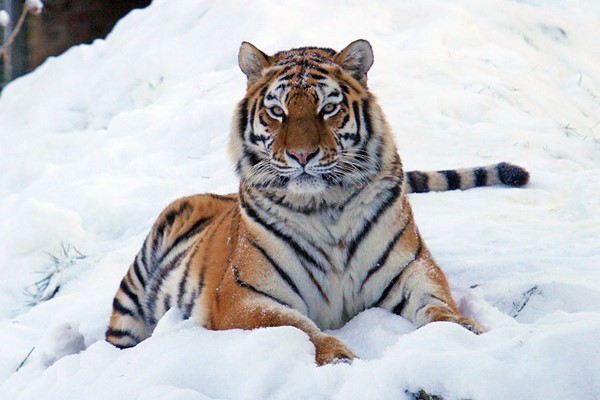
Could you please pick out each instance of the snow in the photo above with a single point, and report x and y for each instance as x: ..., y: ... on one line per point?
x: 4, y: 19
x: 34, y: 6
x: 94, y: 143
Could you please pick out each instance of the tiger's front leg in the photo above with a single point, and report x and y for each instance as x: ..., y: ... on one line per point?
x: 237, y: 304
x: 420, y: 293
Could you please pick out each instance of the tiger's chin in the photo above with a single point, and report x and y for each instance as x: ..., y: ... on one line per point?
x: 307, y: 184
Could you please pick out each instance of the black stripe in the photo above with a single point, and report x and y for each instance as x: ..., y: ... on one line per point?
x: 400, y: 306
x: 428, y: 303
x: 167, y: 302
x: 369, y: 135
x: 317, y: 77
x: 351, y: 197
x: 279, y: 270
x: 187, y: 307
x: 165, y: 224
x: 394, y: 193
x: 143, y: 258
x: 120, y: 333
x: 418, y: 181
x: 121, y: 309
x: 350, y: 83
x: 284, y: 237
x: 136, y: 269
x: 480, y: 176
x: 251, y: 119
x: 386, y: 253
x: 453, y: 179
x: 222, y: 197
x: 152, y: 292
x: 246, y: 285
x: 254, y: 139
x: 182, y: 284
x: 350, y: 136
x: 367, y: 117
x: 312, y: 244
x: 395, y: 279
x: 287, y: 77
x: 321, y: 70
x: 158, y: 237
x: 186, y: 274
x: 194, y: 230
x: 357, y: 120
x: 252, y: 157
x: 335, y: 93
x: 432, y: 296
x: 263, y: 91
x: 286, y: 69
x: 132, y: 296
x: 238, y: 168
x: 344, y: 100
x: 262, y: 121
x: 243, y: 117
x: 253, y: 108
x: 344, y: 121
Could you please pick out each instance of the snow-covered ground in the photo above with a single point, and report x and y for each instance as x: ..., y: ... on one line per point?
x: 96, y: 142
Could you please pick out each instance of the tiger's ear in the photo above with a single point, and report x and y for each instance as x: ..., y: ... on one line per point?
x: 252, y: 61
x: 357, y: 59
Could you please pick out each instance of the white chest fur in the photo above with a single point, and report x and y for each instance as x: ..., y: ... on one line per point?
x: 332, y: 253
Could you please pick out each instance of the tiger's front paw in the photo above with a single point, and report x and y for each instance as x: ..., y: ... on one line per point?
x: 331, y: 350
x: 471, y: 325
x: 436, y: 313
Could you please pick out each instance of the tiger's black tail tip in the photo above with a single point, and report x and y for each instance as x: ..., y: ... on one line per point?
x: 512, y: 175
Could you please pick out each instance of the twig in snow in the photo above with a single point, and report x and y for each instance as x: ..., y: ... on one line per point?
x: 25, y: 359
x: 52, y: 276
x: 423, y: 395
x: 520, y: 305
x: 569, y: 130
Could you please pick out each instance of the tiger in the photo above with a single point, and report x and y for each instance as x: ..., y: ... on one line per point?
x: 321, y: 227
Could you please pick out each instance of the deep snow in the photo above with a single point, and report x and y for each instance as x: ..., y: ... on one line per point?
x: 96, y: 142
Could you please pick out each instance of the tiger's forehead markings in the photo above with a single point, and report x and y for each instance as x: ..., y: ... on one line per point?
x: 299, y: 66
x: 311, y: 69
x: 317, y: 54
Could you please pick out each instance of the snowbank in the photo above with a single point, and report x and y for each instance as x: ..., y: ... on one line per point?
x: 96, y: 142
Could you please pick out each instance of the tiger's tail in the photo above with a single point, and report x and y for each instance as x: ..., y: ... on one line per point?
x: 465, y: 178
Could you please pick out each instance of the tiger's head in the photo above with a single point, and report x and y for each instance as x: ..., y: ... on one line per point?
x: 308, y: 123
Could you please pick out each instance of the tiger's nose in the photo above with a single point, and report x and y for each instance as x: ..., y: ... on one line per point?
x: 302, y: 156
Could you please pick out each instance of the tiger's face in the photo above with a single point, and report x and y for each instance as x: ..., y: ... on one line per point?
x: 305, y: 124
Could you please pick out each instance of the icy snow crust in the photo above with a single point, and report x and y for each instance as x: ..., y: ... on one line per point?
x: 96, y: 142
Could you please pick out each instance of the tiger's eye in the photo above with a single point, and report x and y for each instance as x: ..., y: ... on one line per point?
x: 277, y: 111
x: 328, y: 108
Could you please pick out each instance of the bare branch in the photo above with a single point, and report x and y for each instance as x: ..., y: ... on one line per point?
x: 9, y: 40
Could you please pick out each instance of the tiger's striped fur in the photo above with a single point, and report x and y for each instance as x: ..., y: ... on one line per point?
x: 465, y: 178
x: 321, y: 227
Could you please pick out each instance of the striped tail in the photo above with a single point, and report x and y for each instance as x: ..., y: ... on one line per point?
x: 465, y: 178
